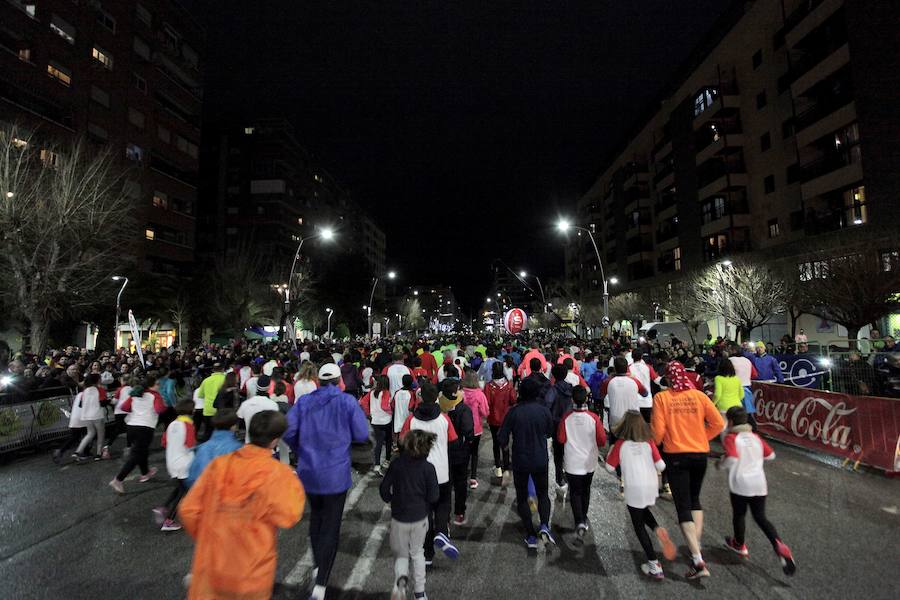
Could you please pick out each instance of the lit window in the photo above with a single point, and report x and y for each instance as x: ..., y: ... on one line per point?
x: 19, y: 143
x: 106, y: 19
x: 49, y: 158
x: 27, y: 7
x: 60, y: 73
x: 149, y: 234
x: 25, y: 54
x: 103, y: 57
x: 136, y: 118
x: 134, y: 153
x: 63, y: 29
x: 704, y: 100
x: 143, y: 15
x: 99, y: 96
x: 141, y: 48
x: 163, y: 134
x: 855, y: 206
x: 98, y: 132
x: 300, y: 221
x: 160, y: 200
x: 249, y: 130
x: 676, y: 255
x: 774, y: 230
x: 140, y: 83
x: 318, y: 178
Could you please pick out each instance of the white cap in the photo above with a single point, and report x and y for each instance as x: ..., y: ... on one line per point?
x: 329, y: 371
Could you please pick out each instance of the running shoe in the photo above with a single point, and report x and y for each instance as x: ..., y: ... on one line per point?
x: 531, y: 542
x: 385, y: 463
x: 443, y: 543
x: 170, y: 525
x: 376, y: 470
x: 740, y: 549
x: 621, y: 488
x: 581, y: 529
x: 159, y: 514
x: 117, y: 486
x: 98, y: 457
x: 459, y: 520
x: 105, y: 455
x: 547, y: 536
x: 668, y: 548
x: 148, y: 476
x: 787, y: 558
x: 57, y: 456
x: 498, y: 473
x: 697, y: 570
x: 400, y: 589
x: 507, y: 478
x: 653, y: 570
x: 473, y: 484
x: 665, y: 490
x: 429, y: 562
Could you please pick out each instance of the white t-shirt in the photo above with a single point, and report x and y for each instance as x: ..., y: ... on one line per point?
x: 75, y: 416
x: 395, y: 373
x: 252, y: 406
x: 303, y: 387
x: 245, y: 373
x: 178, y: 456
x: 744, y: 456
x: 443, y: 429
x: 401, y: 408
x: 622, y: 395
x: 640, y: 462
x: 90, y: 405
x: 251, y: 387
x: 122, y: 395
x: 743, y: 368
x: 582, y: 432
x: 379, y: 416
x: 198, y: 401
x: 628, y: 359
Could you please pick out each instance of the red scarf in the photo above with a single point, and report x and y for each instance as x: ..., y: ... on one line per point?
x: 677, y: 376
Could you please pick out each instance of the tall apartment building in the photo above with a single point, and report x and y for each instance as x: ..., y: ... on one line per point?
x: 124, y: 73
x: 780, y: 137
x: 262, y: 186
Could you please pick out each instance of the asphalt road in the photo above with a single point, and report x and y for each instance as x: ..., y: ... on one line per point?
x: 65, y: 535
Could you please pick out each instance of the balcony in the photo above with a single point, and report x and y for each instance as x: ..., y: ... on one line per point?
x: 166, y: 168
x: 720, y: 143
x: 725, y: 243
x: 666, y: 231
x: 638, y: 245
x: 821, y: 69
x: 640, y: 270
x: 716, y: 102
x: 666, y: 201
x: 635, y: 173
x: 824, y: 117
x: 636, y: 223
x: 830, y: 172
x: 662, y: 148
x: 810, y: 15
x: 636, y: 195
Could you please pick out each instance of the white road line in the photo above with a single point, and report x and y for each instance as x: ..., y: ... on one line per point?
x: 302, y: 570
x: 363, y: 567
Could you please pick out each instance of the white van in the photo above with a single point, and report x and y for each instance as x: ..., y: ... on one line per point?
x: 665, y: 331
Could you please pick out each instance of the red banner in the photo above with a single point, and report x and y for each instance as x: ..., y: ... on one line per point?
x: 861, y: 428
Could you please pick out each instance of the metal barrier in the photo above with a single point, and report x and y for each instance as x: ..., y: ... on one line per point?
x: 867, y: 374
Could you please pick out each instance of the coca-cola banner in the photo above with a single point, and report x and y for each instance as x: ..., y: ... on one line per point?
x: 862, y: 428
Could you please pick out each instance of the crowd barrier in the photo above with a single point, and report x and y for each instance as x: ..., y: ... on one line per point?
x: 864, y: 429
x: 29, y: 419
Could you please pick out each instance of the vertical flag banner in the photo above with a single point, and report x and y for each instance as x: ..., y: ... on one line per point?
x: 136, y: 336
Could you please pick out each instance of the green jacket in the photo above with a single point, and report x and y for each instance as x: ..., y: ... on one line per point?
x: 209, y: 389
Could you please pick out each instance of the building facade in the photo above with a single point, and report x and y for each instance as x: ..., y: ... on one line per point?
x: 125, y: 74
x: 780, y: 137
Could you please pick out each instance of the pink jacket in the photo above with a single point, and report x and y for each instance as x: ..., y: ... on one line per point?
x: 477, y: 403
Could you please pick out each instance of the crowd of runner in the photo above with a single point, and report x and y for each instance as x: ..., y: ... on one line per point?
x: 236, y: 418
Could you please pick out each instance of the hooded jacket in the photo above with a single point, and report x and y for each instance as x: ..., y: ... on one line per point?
x: 240, y: 501
x: 559, y: 400
x: 221, y: 442
x: 501, y: 395
x: 478, y: 404
x: 320, y: 431
x: 530, y: 424
x: 460, y: 415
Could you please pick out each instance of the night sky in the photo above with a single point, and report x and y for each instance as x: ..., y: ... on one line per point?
x: 466, y: 128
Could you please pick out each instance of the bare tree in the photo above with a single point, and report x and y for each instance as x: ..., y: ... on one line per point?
x: 65, y: 212
x: 411, y: 312
x: 179, y: 310
x: 744, y: 294
x: 241, y: 291
x: 854, y: 291
x: 681, y: 303
x: 629, y: 306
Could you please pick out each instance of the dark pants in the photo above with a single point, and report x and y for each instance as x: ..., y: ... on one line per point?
x: 558, y: 452
x: 117, y: 429
x: 580, y: 495
x: 207, y: 427
x: 438, y: 518
x: 686, y: 472
x: 175, y: 497
x: 459, y: 478
x: 140, y: 437
x: 168, y: 416
x: 501, y: 454
x: 642, y: 519
x: 326, y: 512
x: 539, y: 478
x: 473, y: 460
x: 382, y: 434
x: 757, y: 506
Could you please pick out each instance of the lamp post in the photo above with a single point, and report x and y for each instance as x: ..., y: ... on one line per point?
x: 118, y: 309
x: 328, y: 331
x: 390, y: 275
x: 721, y: 266
x: 326, y: 234
x: 523, y: 275
x: 564, y: 226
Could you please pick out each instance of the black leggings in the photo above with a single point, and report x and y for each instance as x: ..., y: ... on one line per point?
x: 175, y: 497
x: 642, y: 519
x: 580, y: 495
x: 501, y: 454
x: 75, y: 435
x: 459, y: 477
x: 326, y: 512
x: 117, y: 429
x: 438, y: 518
x: 558, y: 455
x: 686, y: 472
x: 758, y: 510
x: 140, y: 437
x: 520, y: 480
x: 473, y: 460
x: 382, y: 435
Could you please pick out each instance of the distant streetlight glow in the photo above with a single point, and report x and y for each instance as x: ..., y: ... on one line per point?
x: 392, y: 274
x: 614, y: 280
x: 725, y: 263
x: 523, y: 274
x: 563, y: 225
x: 327, y: 233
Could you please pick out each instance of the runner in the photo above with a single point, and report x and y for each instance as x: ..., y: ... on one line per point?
x: 478, y: 404
x: 500, y: 395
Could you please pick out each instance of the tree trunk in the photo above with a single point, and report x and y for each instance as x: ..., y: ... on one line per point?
x: 38, y: 331
x: 795, y: 316
x: 743, y: 333
x: 852, y: 334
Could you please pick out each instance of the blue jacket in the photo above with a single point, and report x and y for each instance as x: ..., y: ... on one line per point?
x: 767, y: 367
x: 221, y: 442
x: 588, y: 368
x: 530, y: 424
x: 485, y: 370
x: 321, y: 427
x: 596, y: 380
x: 167, y: 390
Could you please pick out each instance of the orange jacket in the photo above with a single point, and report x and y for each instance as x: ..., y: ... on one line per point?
x: 684, y: 422
x: 233, y: 513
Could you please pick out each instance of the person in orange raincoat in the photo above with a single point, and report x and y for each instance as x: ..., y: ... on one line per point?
x: 234, y: 512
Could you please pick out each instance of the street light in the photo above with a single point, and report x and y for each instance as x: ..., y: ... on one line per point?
x: 328, y: 332
x: 563, y: 225
x: 722, y: 264
x: 390, y: 275
x: 327, y: 234
x: 523, y: 275
x: 118, y: 310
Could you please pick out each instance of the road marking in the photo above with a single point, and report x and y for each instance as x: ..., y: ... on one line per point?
x: 363, y: 567
x: 893, y: 510
x: 301, y: 572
